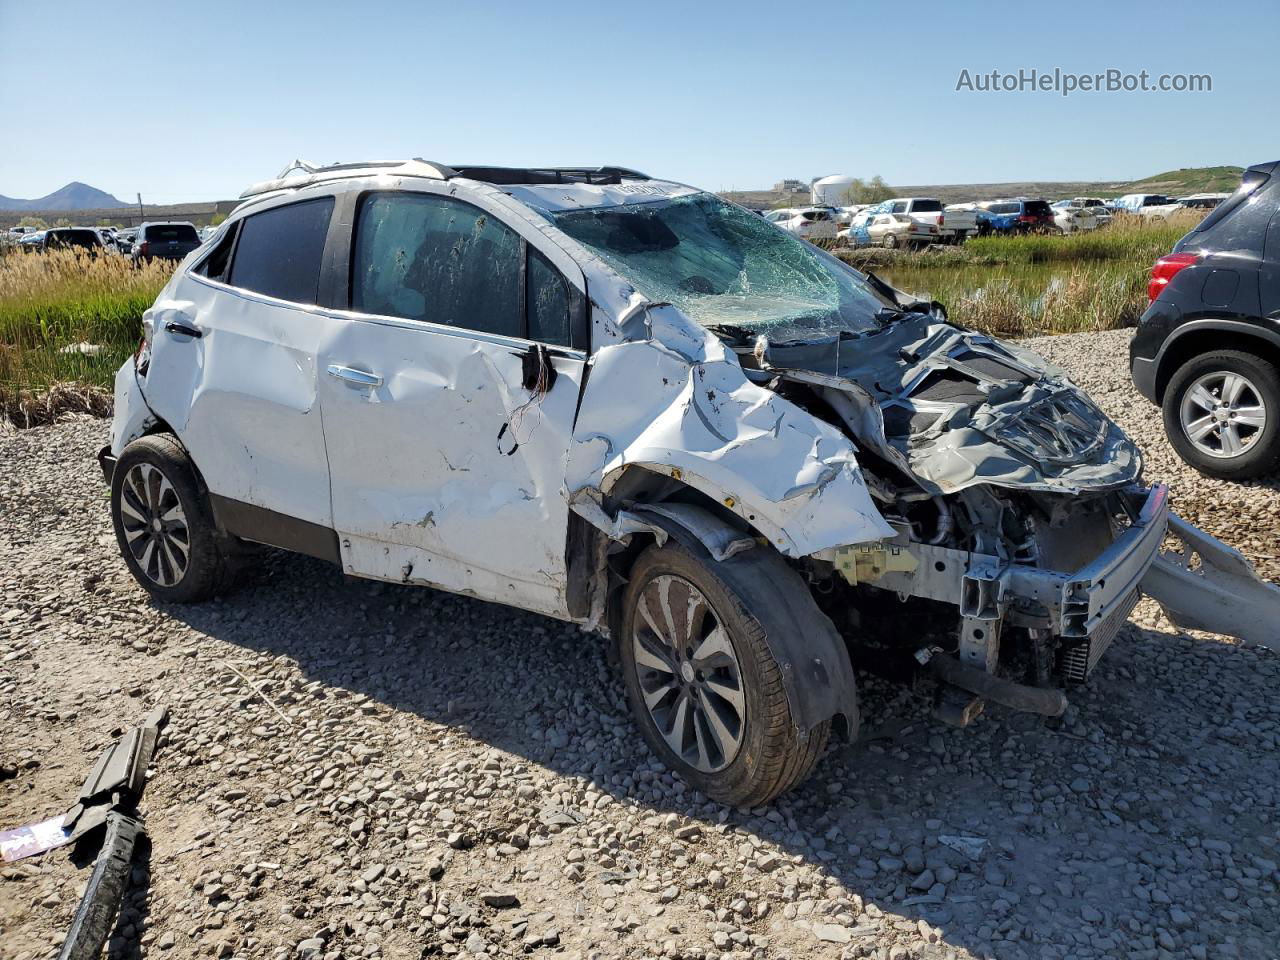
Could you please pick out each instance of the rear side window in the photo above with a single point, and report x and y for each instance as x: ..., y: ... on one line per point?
x: 172, y: 233
x: 219, y: 259
x: 279, y: 250
x: 548, y: 302
x: 438, y: 260
x: 73, y: 238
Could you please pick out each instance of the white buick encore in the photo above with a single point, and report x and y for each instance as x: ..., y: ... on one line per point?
x: 627, y: 403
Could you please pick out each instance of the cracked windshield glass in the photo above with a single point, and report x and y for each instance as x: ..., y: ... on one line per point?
x: 726, y: 267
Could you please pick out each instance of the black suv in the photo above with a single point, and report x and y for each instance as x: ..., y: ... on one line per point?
x: 164, y: 241
x: 1208, y: 348
x: 72, y: 238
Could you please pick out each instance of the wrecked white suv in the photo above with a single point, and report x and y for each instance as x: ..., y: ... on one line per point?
x: 626, y: 403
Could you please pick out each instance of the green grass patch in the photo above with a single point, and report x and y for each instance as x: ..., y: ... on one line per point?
x: 69, y: 318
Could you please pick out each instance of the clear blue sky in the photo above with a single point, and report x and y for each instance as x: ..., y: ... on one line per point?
x: 195, y: 100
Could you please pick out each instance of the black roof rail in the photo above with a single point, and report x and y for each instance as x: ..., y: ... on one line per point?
x: 536, y: 176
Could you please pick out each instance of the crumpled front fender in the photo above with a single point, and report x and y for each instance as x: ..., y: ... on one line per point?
x: 679, y: 404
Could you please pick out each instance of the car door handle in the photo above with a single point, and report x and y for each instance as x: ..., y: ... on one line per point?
x: 181, y: 328
x: 351, y: 375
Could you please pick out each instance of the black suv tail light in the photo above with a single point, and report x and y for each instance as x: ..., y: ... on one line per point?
x: 1165, y: 269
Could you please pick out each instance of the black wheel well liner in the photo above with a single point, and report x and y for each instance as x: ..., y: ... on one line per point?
x: 1208, y: 338
x: 816, y: 666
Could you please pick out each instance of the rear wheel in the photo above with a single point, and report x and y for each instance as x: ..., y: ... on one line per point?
x: 1222, y: 414
x: 701, y: 680
x: 890, y: 240
x: 163, y: 523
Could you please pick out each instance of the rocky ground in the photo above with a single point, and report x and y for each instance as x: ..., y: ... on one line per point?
x: 449, y: 777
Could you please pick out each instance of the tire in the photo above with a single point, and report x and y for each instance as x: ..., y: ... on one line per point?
x: 732, y: 607
x: 157, y: 503
x: 1246, y: 418
x: 890, y: 241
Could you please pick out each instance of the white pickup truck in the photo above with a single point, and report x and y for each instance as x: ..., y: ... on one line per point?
x: 928, y: 212
x: 959, y: 222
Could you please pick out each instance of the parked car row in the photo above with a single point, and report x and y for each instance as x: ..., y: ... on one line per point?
x: 160, y: 240
x: 807, y: 223
x: 920, y: 221
x: 1160, y: 206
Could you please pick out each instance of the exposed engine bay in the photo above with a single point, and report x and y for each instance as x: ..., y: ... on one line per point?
x: 1024, y: 532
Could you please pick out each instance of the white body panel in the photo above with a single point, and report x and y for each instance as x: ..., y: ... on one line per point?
x: 680, y: 404
x: 449, y: 473
x: 242, y: 397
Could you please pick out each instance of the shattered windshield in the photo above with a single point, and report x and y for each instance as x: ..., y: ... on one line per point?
x: 725, y: 267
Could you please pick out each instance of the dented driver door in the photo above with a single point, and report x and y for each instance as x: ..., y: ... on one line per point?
x: 447, y: 425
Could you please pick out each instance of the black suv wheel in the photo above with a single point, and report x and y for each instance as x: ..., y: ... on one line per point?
x: 1222, y: 414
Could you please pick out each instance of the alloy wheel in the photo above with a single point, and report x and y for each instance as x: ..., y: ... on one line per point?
x: 155, y: 525
x: 1222, y: 414
x: 689, y: 673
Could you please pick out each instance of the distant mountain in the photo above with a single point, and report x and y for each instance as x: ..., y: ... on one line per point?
x: 74, y: 196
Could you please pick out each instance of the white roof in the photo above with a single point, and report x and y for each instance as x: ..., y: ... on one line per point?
x: 558, y: 197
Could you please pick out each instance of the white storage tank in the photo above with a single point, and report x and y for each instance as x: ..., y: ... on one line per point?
x: 830, y: 191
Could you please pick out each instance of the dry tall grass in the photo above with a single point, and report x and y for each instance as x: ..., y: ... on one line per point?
x: 1031, y: 284
x: 68, y: 318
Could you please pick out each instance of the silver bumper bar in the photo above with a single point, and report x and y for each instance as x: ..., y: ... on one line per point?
x: 1075, y: 604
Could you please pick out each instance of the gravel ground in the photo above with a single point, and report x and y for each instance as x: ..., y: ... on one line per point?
x: 455, y: 777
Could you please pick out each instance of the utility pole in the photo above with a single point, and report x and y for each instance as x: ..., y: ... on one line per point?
x: 141, y: 215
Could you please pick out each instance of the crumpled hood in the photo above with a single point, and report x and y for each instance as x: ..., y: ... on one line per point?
x: 955, y: 408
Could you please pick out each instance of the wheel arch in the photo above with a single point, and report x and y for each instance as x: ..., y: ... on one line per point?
x: 814, y: 659
x: 1209, y: 336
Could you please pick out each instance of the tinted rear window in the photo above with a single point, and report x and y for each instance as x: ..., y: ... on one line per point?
x: 278, y: 253
x: 1038, y: 208
x: 1252, y: 182
x: 173, y: 233
x: 1239, y: 223
x: 926, y: 206
x: 72, y: 238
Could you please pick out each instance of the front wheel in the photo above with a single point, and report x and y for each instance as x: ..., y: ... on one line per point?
x: 163, y: 523
x: 1222, y: 414
x: 701, y: 680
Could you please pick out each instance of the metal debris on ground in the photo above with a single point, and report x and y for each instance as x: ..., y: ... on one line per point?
x: 971, y: 847
x: 109, y: 796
